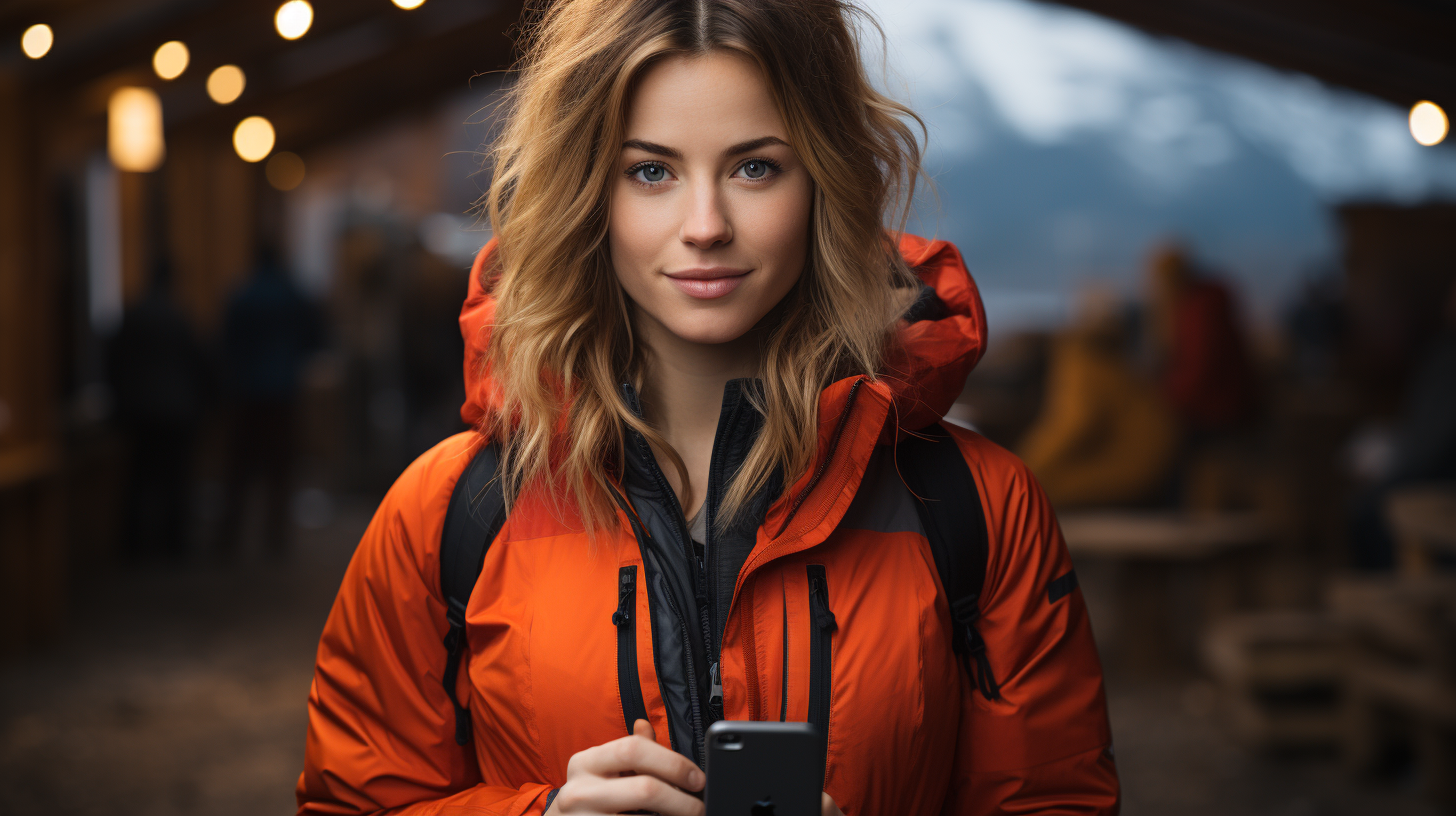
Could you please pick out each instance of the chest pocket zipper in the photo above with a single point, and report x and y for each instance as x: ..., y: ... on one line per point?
x: 629, y: 684
x: 822, y: 627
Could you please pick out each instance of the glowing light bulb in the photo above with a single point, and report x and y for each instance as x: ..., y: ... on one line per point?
x: 134, y: 130
x: 253, y: 139
x: 293, y: 19
x: 409, y: 4
x: 225, y: 84
x: 1428, y: 124
x: 170, y: 59
x: 37, y: 40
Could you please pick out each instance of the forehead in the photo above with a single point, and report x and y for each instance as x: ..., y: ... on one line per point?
x: 703, y: 103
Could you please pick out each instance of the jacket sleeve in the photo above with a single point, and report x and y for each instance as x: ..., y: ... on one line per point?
x: 1043, y: 747
x: 381, y: 732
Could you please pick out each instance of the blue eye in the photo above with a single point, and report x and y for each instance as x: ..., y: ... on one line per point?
x: 758, y: 169
x: 648, y: 173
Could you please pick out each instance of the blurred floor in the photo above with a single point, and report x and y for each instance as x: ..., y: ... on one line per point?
x: 178, y: 691
x: 183, y: 692
x: 1175, y: 758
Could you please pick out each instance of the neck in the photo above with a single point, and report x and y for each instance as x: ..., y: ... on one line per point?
x: 683, y: 394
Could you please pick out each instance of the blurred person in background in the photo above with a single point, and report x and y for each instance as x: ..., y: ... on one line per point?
x: 1208, y: 379
x: 158, y: 376
x: 1207, y: 374
x: 270, y: 329
x: 1105, y: 434
x: 691, y: 349
x: 1420, y: 447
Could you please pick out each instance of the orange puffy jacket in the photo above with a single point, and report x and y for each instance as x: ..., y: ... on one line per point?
x: 549, y: 672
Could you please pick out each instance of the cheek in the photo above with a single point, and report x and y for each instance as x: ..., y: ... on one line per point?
x: 779, y: 230
x: 637, y: 235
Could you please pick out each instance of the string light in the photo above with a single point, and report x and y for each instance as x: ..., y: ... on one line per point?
x: 253, y: 139
x: 225, y: 84
x: 37, y: 40
x: 1428, y: 123
x: 409, y: 4
x: 293, y: 19
x: 170, y: 59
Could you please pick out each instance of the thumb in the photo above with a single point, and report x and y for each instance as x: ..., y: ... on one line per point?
x: 643, y: 728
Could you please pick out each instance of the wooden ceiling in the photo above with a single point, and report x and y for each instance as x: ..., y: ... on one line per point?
x: 364, y: 60
x: 1401, y: 50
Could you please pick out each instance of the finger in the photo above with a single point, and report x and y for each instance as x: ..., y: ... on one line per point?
x: 638, y: 754
x: 639, y: 793
x: 643, y: 728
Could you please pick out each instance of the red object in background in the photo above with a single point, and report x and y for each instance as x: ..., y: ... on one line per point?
x: 1209, y: 379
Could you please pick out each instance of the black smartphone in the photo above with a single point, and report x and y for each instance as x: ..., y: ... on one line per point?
x: 764, y: 769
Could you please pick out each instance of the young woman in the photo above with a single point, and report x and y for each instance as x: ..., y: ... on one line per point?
x: 690, y: 340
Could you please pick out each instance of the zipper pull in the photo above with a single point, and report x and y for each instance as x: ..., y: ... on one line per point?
x: 715, y: 697
x: 627, y: 588
x: 823, y: 616
x: 700, y: 587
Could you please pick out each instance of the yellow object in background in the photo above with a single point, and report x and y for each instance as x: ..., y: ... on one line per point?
x: 134, y: 130
x: 170, y: 59
x: 225, y: 84
x: 293, y: 19
x: 1428, y: 123
x: 37, y: 40
x: 253, y: 139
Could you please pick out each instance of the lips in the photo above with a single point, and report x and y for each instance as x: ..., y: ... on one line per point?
x: 709, y: 282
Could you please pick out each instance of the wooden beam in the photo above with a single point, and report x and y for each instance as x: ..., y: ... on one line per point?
x: 1394, y: 49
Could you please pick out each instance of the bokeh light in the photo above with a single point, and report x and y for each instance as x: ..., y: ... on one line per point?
x: 409, y: 4
x: 225, y: 84
x: 285, y: 170
x: 37, y: 40
x: 170, y: 59
x: 134, y: 130
x: 1428, y: 123
x: 253, y: 139
x: 293, y: 19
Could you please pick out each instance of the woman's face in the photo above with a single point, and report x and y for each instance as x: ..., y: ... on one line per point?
x: 710, y: 209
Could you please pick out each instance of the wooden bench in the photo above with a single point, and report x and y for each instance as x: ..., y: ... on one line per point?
x: 1401, y: 673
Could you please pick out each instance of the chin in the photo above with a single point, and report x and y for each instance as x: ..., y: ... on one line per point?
x: 711, y: 330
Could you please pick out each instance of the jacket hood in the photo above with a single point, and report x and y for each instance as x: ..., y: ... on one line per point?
x: 941, y: 340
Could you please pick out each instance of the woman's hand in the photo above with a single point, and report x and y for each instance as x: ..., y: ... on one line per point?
x: 827, y: 806
x: 631, y: 774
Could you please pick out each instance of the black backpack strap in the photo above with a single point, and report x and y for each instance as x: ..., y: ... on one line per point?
x: 955, y: 523
x: 475, y: 515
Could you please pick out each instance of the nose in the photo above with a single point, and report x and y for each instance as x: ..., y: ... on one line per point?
x: 706, y: 223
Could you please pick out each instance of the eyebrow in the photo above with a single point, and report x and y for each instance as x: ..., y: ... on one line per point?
x: 672, y: 153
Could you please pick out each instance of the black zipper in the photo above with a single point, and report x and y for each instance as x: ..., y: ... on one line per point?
x: 784, y: 690
x: 685, y: 540
x: 629, y: 683
x: 682, y: 622
x: 708, y: 571
x: 821, y: 629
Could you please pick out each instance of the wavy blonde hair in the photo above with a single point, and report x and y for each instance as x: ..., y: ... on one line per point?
x: 562, y: 340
